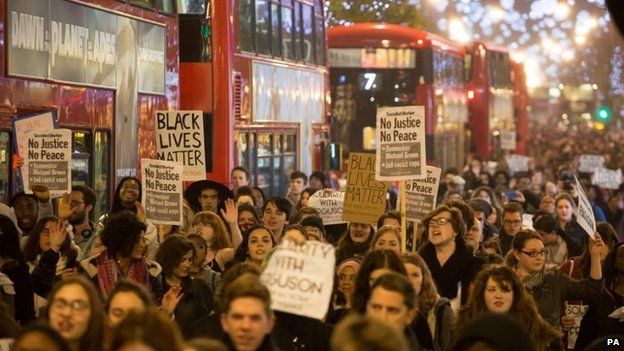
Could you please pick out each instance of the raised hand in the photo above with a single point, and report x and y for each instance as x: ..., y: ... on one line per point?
x: 140, y: 212
x: 58, y: 234
x: 171, y: 299
x: 230, y: 215
x: 41, y: 192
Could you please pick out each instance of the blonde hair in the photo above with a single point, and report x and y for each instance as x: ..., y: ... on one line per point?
x: 383, y: 230
x: 221, y: 238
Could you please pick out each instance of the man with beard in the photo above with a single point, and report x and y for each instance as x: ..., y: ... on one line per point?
x: 29, y: 208
x: 82, y: 201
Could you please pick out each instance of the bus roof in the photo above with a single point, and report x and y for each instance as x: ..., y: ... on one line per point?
x: 490, y: 47
x: 378, y: 35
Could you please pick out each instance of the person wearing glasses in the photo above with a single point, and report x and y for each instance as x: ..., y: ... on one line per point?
x: 82, y: 200
x: 550, y: 288
x: 452, y: 264
x: 511, y: 225
x: 75, y: 311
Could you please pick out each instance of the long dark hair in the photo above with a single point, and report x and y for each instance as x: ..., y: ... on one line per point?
x: 607, y: 233
x: 92, y: 339
x: 346, y: 245
x: 374, y: 260
x: 242, y: 251
x: 32, y: 248
x: 610, y: 274
x: 117, y: 205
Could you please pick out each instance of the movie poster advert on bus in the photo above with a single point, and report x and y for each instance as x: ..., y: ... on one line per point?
x: 328, y: 203
x: 48, y: 160
x: 365, y: 196
x: 180, y: 138
x: 421, y: 194
x: 300, y: 278
x: 584, y: 212
x: 162, y: 191
x: 400, y: 142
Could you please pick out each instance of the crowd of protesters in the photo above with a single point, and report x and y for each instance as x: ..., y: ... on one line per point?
x: 495, y: 266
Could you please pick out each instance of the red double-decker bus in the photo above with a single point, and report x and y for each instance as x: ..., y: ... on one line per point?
x: 490, y: 92
x: 257, y: 69
x: 101, y: 68
x: 374, y: 65
x: 521, y: 106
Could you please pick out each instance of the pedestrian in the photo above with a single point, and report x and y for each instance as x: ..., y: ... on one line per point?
x: 573, y: 234
x: 298, y: 181
x: 207, y: 195
x: 220, y: 250
x: 275, y: 216
x: 356, y: 242
x: 511, y: 225
x: 82, y: 201
x: 257, y: 242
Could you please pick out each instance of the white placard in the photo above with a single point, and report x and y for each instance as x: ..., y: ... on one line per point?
x: 584, y: 213
x: 328, y: 203
x: 23, y: 126
x: 162, y: 191
x: 48, y: 161
x: 400, y: 143
x: 180, y: 138
x: 518, y: 163
x: 301, y: 278
x: 508, y: 139
x: 606, y: 178
x: 421, y: 194
x: 588, y: 163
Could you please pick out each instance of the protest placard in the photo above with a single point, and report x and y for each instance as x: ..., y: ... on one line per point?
x: 508, y: 139
x: 584, y: 213
x: 365, y: 197
x: 301, y: 278
x: 606, y: 178
x: 180, y: 138
x: 577, y: 312
x: 517, y: 163
x: 400, y: 142
x: 587, y: 163
x: 328, y: 203
x: 421, y: 194
x: 40, y: 123
x: 48, y: 160
x: 162, y: 191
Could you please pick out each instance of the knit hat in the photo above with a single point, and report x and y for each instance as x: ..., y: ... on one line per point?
x: 314, y: 221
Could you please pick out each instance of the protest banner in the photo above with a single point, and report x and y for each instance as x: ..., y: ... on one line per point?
x: 421, y: 194
x: 301, y: 278
x: 400, y: 142
x: 180, y: 138
x: 328, y: 203
x: 606, y: 178
x: 584, y: 213
x: 587, y: 163
x: 365, y: 197
x: 40, y: 123
x: 48, y: 161
x: 577, y: 312
x: 162, y: 191
x: 517, y: 163
x: 508, y: 139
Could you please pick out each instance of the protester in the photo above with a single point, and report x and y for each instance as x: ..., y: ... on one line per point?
x: 573, y: 233
x: 206, y: 195
x: 387, y: 237
x: 303, y: 213
x: 198, y: 269
x: 275, y: 216
x: 93, y: 247
x: 82, y: 201
x: 239, y: 177
x: 317, y: 180
x: 149, y: 329
x: 244, y: 195
x: 435, y: 319
x: 392, y: 218
x: 556, y: 249
x: 494, y: 332
x: 29, y: 208
x: 39, y: 337
x: 126, y: 296
x: 247, y: 217
x: 75, y: 312
x: 362, y: 333
x: 305, y: 196
x: 356, y: 242
x: 314, y: 228
x: 346, y: 274
x: 512, y: 224
x: 259, y: 199
x: 298, y: 181
x: 257, y: 242
x: 219, y: 247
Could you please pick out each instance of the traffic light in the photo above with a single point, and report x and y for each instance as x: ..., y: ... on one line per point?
x: 603, y: 114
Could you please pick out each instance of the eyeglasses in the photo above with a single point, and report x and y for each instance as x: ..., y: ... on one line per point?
x: 439, y: 221
x: 76, y: 305
x: 541, y: 252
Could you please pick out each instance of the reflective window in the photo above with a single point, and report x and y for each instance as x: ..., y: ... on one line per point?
x: 275, y: 30
x: 263, y: 27
x: 81, y: 156
x: 245, y: 25
x: 308, y: 34
x: 193, y: 6
x: 287, y: 32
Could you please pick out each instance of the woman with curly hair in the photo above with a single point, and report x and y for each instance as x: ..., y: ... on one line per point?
x: 124, y: 257
x: 498, y: 289
x: 220, y: 251
x: 433, y: 324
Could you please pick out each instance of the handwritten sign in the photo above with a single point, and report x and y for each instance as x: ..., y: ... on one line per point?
x: 180, y: 138
x: 508, y: 139
x: 421, y: 194
x: 517, y: 163
x: 577, y: 312
x: 300, y: 278
x: 587, y: 163
x: 162, y: 191
x: 606, y: 178
x: 48, y: 160
x: 401, y: 142
x: 584, y: 213
x: 365, y: 197
x: 328, y: 203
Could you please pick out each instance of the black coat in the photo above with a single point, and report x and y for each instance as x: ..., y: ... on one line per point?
x: 294, y: 333
x: 24, y: 301
x: 197, y: 302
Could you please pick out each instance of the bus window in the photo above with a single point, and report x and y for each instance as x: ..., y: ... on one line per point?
x: 308, y: 34
x: 319, y: 40
x: 299, y: 43
x: 263, y: 29
x: 81, y: 157
x: 5, y: 166
x: 245, y: 25
x: 287, y: 30
x: 101, y: 172
x: 193, y: 6
x: 276, y: 43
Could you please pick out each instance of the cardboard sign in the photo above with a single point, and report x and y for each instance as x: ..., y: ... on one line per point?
x: 162, y: 191
x: 37, y: 123
x: 606, y: 178
x: 301, y: 278
x: 400, y: 142
x: 180, y: 138
x: 421, y: 194
x: 48, y: 161
x: 508, y: 139
x: 577, y: 312
x: 518, y: 163
x: 328, y: 203
x: 584, y: 213
x: 587, y: 163
x: 365, y: 197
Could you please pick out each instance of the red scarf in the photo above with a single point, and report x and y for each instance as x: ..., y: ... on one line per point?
x: 109, y: 272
